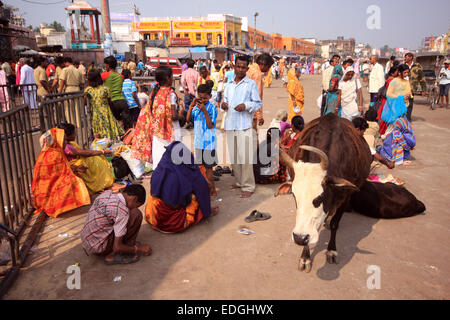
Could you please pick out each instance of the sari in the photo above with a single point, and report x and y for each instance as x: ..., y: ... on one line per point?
x: 399, y: 142
x: 268, y: 79
x: 153, y: 122
x: 99, y: 175
x: 383, y: 125
x: 55, y: 188
x: 295, y: 88
x: 4, y: 96
x: 332, y: 96
x: 396, y: 102
x: 179, y: 195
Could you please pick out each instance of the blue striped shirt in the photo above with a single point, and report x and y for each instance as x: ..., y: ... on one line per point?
x: 246, y: 92
x: 128, y: 87
x: 205, y: 138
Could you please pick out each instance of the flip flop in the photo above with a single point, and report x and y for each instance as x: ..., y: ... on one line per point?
x: 121, y: 258
x: 255, y: 215
x: 226, y: 170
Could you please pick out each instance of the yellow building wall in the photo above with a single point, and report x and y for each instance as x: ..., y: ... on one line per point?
x: 197, y: 31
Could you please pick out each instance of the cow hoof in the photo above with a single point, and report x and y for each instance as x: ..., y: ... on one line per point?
x: 332, y: 257
x: 305, y: 265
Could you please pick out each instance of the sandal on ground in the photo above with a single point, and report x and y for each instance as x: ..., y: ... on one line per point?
x: 121, y: 258
x: 216, y: 179
x: 255, y: 215
x: 226, y: 170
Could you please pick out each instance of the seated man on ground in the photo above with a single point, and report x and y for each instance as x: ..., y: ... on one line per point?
x: 94, y: 169
x: 112, y: 226
x: 361, y: 126
x: 179, y: 194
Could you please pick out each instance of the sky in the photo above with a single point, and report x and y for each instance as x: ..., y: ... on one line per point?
x: 403, y: 23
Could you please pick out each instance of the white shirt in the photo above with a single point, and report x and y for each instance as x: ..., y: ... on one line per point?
x: 388, y: 67
x: 27, y: 75
x: 143, y: 98
x: 348, y: 94
x: 445, y: 79
x: 326, y: 77
x: 376, y: 78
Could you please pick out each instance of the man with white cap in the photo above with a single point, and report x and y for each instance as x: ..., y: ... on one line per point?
x: 351, y: 95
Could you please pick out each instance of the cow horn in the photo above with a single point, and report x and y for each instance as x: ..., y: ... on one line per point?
x: 320, y: 153
x: 286, y: 159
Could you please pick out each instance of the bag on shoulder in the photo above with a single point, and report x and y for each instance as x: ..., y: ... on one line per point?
x: 128, y: 136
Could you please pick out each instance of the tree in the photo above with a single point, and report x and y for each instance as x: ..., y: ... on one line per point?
x: 57, y: 26
x: 37, y: 30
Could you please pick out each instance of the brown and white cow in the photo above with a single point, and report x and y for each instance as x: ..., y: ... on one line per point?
x: 328, y: 163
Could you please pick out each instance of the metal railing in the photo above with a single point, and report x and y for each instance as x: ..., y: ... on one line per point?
x: 72, y: 108
x: 17, y: 158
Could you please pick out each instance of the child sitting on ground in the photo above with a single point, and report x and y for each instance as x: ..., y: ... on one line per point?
x: 204, y: 115
x: 361, y: 126
x: 280, y: 121
x: 292, y: 134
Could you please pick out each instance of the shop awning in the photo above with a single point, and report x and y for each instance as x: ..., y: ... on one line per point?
x: 179, y: 52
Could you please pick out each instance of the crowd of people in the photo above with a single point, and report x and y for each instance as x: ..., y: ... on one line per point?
x: 183, y: 180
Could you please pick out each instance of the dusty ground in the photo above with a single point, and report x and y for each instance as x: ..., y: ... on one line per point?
x: 213, y: 261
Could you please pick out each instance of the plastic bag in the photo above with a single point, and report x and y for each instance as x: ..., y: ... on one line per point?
x: 136, y: 166
x: 100, y: 144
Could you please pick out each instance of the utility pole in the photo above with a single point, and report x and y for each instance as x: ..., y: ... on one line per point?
x: 254, y: 33
x: 106, y: 25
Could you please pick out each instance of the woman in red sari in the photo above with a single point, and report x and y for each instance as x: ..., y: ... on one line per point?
x: 393, y: 73
x: 157, y: 125
x: 56, y: 189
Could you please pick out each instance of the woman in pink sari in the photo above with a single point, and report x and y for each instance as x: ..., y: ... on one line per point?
x: 4, y: 96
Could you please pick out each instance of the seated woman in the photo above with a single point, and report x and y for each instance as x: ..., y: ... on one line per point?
x: 292, y: 134
x: 280, y: 121
x: 97, y: 173
x: 55, y: 188
x: 267, y: 168
x: 179, y: 193
x: 399, y: 142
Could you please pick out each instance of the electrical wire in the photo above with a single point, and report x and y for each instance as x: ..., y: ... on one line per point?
x: 44, y: 3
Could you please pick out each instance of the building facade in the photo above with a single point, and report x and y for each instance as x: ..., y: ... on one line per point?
x: 298, y: 46
x: 221, y: 29
x: 344, y: 47
x: 263, y: 40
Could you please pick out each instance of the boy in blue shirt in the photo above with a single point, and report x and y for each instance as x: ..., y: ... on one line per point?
x: 204, y: 115
x: 129, y: 90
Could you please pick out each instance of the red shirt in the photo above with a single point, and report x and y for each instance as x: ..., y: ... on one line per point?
x: 50, y: 70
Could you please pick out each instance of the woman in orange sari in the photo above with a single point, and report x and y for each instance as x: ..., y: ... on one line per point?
x: 296, y: 95
x: 56, y: 189
x: 157, y: 125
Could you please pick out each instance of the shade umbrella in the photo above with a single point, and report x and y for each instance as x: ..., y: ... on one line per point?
x: 29, y: 53
x: 20, y: 48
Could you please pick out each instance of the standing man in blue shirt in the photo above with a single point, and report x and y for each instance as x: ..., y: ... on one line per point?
x: 241, y: 101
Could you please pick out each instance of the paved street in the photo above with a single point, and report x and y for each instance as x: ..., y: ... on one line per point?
x: 213, y: 261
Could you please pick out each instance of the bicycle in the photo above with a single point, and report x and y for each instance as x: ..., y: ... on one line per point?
x: 433, y: 95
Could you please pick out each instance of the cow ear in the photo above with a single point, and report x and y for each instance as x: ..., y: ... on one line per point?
x: 284, y: 188
x: 341, y: 183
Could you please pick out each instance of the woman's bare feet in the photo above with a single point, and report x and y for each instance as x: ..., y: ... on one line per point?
x: 214, y: 211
